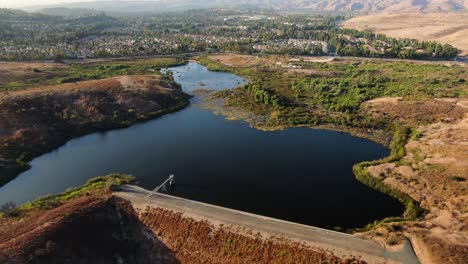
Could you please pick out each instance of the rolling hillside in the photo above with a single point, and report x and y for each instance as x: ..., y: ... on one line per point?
x: 355, y: 6
x: 451, y: 28
x: 363, y: 6
x: 427, y: 6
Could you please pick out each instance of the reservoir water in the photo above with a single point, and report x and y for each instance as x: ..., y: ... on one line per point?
x: 297, y: 174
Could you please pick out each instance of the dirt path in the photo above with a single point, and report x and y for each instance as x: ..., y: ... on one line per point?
x: 339, y: 243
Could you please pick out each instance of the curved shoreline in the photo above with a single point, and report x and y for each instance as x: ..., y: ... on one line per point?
x: 340, y: 130
x: 14, y: 164
x: 411, y: 206
x: 10, y: 173
x: 377, y: 183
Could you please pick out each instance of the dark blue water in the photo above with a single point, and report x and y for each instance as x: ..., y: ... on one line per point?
x: 297, y: 174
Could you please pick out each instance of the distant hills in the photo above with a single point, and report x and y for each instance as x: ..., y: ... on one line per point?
x: 116, y: 6
x: 427, y: 6
x: 361, y: 6
x: 343, y: 6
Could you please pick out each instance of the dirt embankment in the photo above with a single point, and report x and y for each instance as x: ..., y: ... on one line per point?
x: 105, y: 229
x: 89, y: 229
x: 199, y: 241
x: 35, y: 121
x: 434, y: 172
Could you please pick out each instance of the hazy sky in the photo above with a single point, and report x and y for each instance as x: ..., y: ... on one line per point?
x: 20, y: 3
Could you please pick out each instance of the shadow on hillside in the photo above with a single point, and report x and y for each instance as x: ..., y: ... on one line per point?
x: 106, y: 232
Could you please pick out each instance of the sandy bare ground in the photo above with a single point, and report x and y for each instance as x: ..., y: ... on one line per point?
x: 433, y: 172
x: 126, y: 82
x: 313, y: 59
x: 451, y: 28
x: 237, y: 60
x: 29, y: 65
x: 11, y: 71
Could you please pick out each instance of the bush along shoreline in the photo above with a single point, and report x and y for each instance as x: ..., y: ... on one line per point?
x: 412, y: 209
x: 348, y: 121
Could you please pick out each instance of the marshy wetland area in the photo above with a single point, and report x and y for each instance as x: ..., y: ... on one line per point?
x: 377, y: 149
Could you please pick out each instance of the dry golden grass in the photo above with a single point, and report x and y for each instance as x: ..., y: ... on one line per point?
x: 236, y: 60
x: 13, y: 71
x: 433, y: 172
x: 451, y: 28
x: 199, y: 241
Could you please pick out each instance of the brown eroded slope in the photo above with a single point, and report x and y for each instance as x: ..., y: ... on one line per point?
x: 38, y: 120
x: 89, y: 229
x: 451, y: 28
x: 89, y: 225
x: 434, y: 172
x: 200, y: 241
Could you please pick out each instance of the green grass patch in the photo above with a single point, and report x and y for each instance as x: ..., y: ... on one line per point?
x: 98, y: 184
x: 335, y: 96
x: 12, y: 86
x: 457, y: 178
x: 214, y: 65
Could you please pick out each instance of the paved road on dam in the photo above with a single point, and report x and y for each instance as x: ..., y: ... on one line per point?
x: 339, y: 243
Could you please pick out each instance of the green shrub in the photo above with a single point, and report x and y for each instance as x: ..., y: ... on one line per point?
x: 412, y: 211
x: 8, y: 210
x: 457, y: 178
x: 102, y: 183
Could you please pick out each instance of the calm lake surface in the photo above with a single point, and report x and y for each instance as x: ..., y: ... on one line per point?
x: 298, y: 174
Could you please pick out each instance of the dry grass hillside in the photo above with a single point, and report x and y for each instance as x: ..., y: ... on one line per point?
x: 451, y: 28
x: 427, y: 6
x: 37, y: 120
x: 434, y: 172
x: 361, y: 6
x: 89, y: 229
